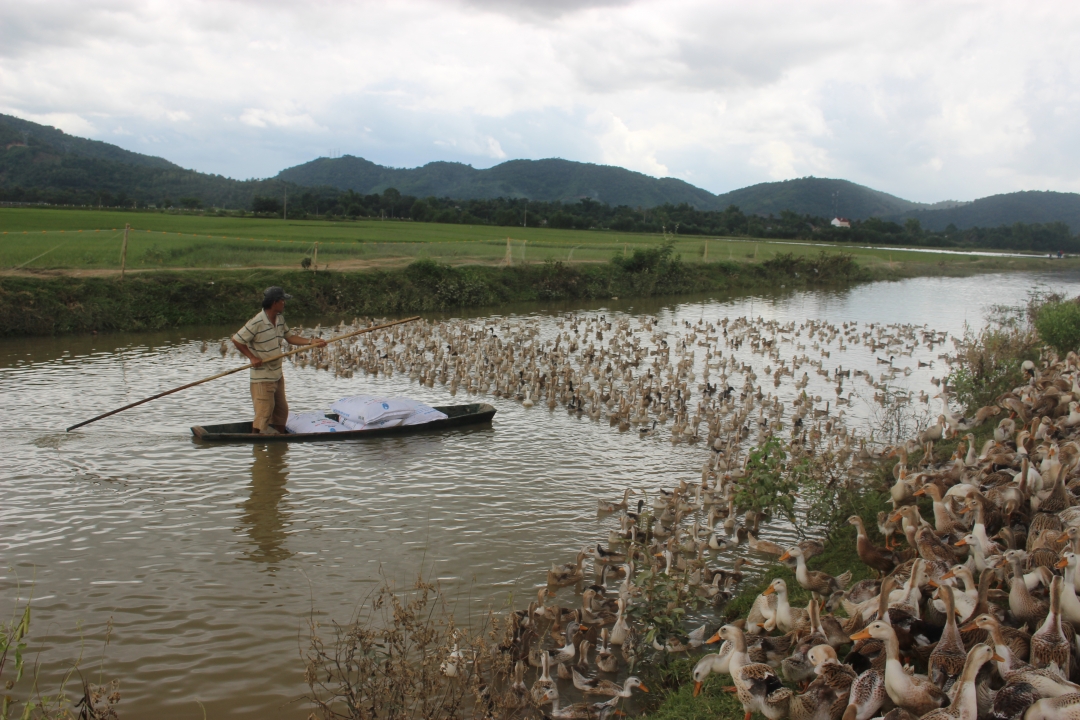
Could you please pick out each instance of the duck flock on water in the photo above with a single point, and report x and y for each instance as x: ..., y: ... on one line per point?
x: 971, y: 615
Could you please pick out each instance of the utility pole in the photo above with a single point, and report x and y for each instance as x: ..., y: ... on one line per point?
x: 285, y: 210
x: 526, y: 223
x: 315, y: 260
x: 123, y: 250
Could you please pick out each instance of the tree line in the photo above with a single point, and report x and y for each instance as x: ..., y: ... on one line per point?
x: 682, y: 219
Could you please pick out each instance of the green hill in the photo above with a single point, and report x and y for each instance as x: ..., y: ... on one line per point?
x: 1008, y: 209
x: 14, y: 131
x: 544, y: 180
x: 39, y: 163
x: 820, y: 197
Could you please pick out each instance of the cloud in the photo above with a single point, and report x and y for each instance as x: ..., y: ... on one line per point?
x: 259, y: 118
x: 69, y: 122
x: 943, y: 98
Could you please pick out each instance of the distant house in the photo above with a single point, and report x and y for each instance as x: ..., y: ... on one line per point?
x: 840, y: 222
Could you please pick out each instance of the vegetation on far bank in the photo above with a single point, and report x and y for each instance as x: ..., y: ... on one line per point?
x: 53, y: 305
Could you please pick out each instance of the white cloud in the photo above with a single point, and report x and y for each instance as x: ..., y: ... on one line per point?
x: 495, y: 149
x: 943, y: 98
x: 258, y: 118
x: 619, y: 145
x: 69, y: 122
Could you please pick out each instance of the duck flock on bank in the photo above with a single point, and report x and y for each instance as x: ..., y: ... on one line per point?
x: 970, y: 614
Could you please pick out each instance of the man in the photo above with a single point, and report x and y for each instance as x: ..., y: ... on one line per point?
x: 258, y: 340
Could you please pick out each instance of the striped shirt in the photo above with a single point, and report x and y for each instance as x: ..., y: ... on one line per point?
x: 264, y: 340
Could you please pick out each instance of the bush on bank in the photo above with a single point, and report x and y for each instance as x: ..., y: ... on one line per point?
x: 1058, y: 324
x: 157, y: 300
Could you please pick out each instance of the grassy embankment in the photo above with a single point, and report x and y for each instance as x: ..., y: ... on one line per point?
x: 63, y: 281
x: 88, y: 242
x: 66, y: 304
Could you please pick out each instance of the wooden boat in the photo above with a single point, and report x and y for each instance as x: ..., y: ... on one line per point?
x: 457, y: 416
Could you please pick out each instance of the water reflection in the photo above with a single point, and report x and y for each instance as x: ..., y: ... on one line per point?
x: 263, y: 519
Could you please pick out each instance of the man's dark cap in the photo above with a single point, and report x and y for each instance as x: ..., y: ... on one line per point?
x: 273, y: 294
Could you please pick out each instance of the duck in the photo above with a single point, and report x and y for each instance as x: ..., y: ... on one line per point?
x: 965, y: 599
x: 1023, y: 606
x: 757, y: 686
x: 866, y: 695
x: 598, y: 686
x: 567, y: 652
x: 766, y: 547
x: 712, y: 663
x: 915, y: 693
x: 606, y: 661
x: 621, y: 629
x: 944, y: 521
x: 785, y: 618
x: 832, y: 673
x: 517, y: 695
x: 762, y: 615
x: 582, y: 710
x: 569, y: 574
x: 1010, y: 644
x: 544, y: 684
x: 965, y: 704
x: 822, y: 585
x: 948, y: 657
x: 1050, y: 648
x: 607, y: 506
x: 881, y: 560
x: 1063, y: 707
x: 1070, y: 605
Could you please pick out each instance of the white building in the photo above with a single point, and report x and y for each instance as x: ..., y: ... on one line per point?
x: 840, y: 222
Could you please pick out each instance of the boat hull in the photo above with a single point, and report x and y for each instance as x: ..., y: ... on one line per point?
x: 457, y: 416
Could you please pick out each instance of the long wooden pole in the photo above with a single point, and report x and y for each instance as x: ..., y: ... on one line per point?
x: 300, y: 349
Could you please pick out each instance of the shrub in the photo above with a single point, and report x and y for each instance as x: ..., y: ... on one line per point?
x: 401, y: 657
x: 988, y: 363
x: 1058, y: 324
x: 768, y: 486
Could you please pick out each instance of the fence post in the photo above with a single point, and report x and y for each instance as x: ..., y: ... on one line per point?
x: 123, y: 250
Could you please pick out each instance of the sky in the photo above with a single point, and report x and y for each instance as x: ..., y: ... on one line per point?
x: 926, y: 100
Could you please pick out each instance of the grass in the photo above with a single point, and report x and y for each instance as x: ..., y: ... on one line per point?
x: 51, y: 239
x: 64, y: 303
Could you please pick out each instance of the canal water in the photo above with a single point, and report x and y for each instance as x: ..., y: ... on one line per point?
x: 207, y: 561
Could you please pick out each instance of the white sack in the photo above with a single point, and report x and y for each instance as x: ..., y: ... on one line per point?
x: 367, y: 409
x: 378, y: 424
x: 425, y: 415
x: 312, y: 422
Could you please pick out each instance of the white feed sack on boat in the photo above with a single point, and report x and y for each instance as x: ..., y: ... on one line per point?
x: 424, y: 414
x: 312, y: 422
x: 367, y: 409
x: 364, y: 412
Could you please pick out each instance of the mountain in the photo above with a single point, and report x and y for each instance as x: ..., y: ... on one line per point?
x: 39, y: 163
x: 821, y: 197
x: 15, y: 131
x: 1018, y: 207
x: 544, y: 180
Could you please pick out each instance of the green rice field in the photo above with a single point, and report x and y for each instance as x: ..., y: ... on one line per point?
x: 35, y: 239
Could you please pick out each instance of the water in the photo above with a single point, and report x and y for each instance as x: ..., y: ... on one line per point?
x: 209, y: 559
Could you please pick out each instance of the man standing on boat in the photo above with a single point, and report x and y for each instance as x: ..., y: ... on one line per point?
x: 259, y: 339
